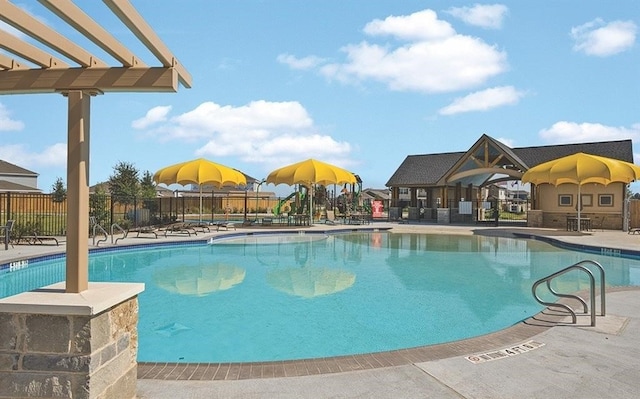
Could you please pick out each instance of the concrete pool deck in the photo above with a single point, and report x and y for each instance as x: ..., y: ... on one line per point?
x: 548, y: 357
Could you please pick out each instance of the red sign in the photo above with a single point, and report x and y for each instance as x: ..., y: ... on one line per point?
x: 376, y: 208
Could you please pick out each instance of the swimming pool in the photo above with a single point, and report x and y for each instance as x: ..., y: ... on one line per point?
x: 267, y: 298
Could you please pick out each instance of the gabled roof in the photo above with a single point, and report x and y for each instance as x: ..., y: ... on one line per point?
x: 7, y: 186
x: 428, y: 169
x: 9, y: 169
x: 532, y: 156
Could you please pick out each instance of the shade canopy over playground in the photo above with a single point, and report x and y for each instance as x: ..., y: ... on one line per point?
x: 309, y: 172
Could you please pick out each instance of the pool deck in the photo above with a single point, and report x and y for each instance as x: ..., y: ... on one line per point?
x: 541, y: 357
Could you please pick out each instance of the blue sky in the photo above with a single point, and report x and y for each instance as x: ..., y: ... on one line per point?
x: 360, y: 83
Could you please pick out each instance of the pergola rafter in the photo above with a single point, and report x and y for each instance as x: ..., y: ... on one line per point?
x: 28, y: 69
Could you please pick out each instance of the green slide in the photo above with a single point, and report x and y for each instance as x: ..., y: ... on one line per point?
x: 276, y: 209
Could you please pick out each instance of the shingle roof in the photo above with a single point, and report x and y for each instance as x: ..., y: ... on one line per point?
x: 9, y: 169
x: 7, y: 186
x: 427, y: 169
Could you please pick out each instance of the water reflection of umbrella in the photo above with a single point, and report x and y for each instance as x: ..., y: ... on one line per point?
x: 581, y: 168
x: 199, y: 280
x: 200, y: 171
x: 311, y: 172
x: 309, y: 282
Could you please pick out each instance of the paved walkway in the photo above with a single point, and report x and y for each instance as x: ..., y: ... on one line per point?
x: 558, y: 362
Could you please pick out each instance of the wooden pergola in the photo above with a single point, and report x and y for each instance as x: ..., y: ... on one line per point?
x: 67, y: 68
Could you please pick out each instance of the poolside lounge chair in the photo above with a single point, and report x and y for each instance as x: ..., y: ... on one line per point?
x: 36, y: 238
x: 178, y: 228
x: 202, y: 227
x: 225, y: 225
x: 152, y: 230
x: 331, y: 218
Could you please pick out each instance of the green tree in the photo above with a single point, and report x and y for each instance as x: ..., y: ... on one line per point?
x: 58, y: 190
x: 124, y: 183
x: 147, y: 187
x: 148, y: 194
x: 98, y: 206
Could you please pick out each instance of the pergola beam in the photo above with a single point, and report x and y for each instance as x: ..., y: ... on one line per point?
x: 74, y: 16
x: 29, y: 52
x: 25, y: 23
x: 134, y: 21
x: 115, y: 79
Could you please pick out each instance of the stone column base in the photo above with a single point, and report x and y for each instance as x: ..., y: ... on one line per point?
x: 63, y: 345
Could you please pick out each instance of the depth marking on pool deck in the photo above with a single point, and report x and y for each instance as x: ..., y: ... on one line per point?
x: 504, y: 353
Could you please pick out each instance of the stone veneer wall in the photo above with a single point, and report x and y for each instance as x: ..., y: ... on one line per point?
x: 63, y: 356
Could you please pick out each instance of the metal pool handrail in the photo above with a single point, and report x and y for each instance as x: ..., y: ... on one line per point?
x: 592, y: 293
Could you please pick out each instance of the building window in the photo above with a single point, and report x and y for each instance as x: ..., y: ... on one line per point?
x: 605, y: 200
x: 565, y: 200
x: 586, y: 200
x: 403, y: 191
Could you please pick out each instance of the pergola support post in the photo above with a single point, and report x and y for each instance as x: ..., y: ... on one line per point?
x: 77, y: 269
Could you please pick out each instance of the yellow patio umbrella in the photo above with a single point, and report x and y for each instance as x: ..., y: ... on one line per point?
x: 581, y: 168
x: 311, y: 172
x: 309, y: 282
x: 199, y: 280
x: 200, y: 171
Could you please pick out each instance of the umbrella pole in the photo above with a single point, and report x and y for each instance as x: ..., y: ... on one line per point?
x: 200, y: 221
x: 579, y: 206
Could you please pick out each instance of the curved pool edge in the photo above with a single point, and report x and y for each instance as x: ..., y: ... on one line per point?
x: 517, y: 334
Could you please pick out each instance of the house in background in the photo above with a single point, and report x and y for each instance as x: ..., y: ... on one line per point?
x: 16, y: 179
x: 455, y: 184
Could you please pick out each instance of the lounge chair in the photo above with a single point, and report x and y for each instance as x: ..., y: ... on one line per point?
x: 202, y: 227
x: 36, y: 238
x: 331, y: 218
x: 179, y: 228
x: 225, y: 225
x: 152, y: 230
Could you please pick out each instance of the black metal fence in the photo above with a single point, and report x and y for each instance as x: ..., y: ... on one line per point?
x: 46, y: 214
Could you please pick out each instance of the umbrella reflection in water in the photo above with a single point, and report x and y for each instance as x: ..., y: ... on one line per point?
x: 199, y: 280
x: 310, y: 282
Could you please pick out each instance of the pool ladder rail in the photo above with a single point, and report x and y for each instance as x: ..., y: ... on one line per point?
x: 592, y: 292
x: 115, y: 228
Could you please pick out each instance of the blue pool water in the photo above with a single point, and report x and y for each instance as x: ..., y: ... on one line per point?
x: 274, y: 298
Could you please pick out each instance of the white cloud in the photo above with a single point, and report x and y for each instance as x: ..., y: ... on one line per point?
x: 52, y: 156
x: 572, y: 132
x: 259, y: 132
x: 455, y: 63
x: 6, y: 123
x: 427, y: 56
x: 153, y: 116
x: 600, y: 39
x: 488, y: 16
x: 300, y: 63
x: 483, y: 100
x: 421, y: 25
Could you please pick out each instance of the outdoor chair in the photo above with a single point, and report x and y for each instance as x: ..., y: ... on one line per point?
x: 225, y: 225
x: 6, y: 232
x: 331, y: 218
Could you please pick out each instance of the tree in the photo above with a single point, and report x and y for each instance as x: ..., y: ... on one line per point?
x: 98, y: 206
x: 148, y: 194
x: 147, y: 187
x: 124, y: 184
x: 58, y: 190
